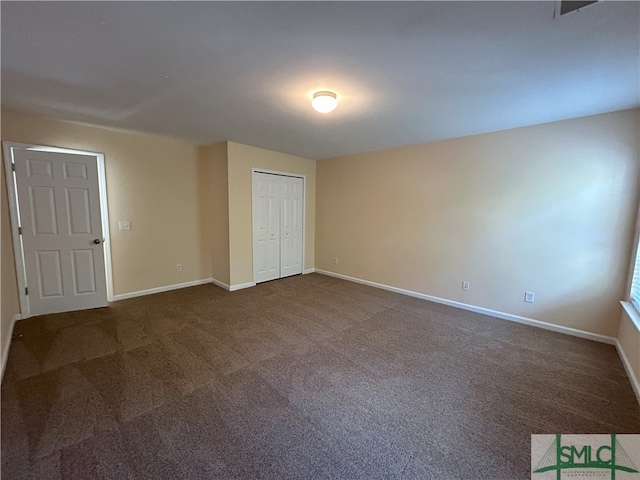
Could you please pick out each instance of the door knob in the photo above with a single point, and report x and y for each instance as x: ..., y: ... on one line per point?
x: 97, y: 241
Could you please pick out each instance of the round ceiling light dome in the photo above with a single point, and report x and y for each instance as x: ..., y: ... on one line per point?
x: 324, y: 101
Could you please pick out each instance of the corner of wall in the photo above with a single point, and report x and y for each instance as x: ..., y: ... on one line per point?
x: 218, y: 211
x: 241, y: 159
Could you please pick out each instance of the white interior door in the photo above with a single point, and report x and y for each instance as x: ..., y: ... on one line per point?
x: 291, y: 226
x: 62, y: 237
x: 266, y: 227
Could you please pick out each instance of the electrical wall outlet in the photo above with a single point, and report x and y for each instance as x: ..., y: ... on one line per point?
x: 335, y: 260
x: 529, y: 297
x: 124, y: 226
x: 178, y: 267
x: 466, y: 286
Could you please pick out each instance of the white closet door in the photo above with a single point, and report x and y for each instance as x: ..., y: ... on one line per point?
x: 291, y: 226
x: 266, y: 227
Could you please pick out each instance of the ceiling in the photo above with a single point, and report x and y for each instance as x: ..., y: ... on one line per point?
x: 404, y: 72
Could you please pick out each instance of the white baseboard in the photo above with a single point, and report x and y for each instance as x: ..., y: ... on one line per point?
x: 220, y: 284
x: 7, y: 343
x: 630, y: 373
x: 166, y: 288
x: 240, y: 286
x: 486, y: 311
x: 151, y: 291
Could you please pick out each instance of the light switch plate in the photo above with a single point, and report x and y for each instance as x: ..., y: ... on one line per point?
x: 124, y: 226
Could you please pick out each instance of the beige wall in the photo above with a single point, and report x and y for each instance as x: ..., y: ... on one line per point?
x: 9, y: 301
x: 216, y: 204
x: 241, y: 159
x: 152, y: 182
x: 548, y: 208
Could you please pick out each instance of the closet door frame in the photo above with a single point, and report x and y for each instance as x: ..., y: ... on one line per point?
x: 304, y: 209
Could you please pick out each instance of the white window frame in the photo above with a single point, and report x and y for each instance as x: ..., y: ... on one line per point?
x: 632, y: 307
x: 635, y: 279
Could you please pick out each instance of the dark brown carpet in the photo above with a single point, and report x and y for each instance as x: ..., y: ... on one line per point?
x: 304, y: 378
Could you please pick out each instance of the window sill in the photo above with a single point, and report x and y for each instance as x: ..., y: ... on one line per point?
x: 632, y: 313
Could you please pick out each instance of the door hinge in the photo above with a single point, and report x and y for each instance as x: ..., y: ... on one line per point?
x: 26, y: 290
x: 19, y: 230
x: 13, y: 167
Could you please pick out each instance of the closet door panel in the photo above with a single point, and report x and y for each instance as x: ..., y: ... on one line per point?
x: 291, y: 221
x: 266, y: 227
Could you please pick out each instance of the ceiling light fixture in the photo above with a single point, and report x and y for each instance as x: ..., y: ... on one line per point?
x: 324, y: 102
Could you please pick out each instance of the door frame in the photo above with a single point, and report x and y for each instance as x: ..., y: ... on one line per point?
x: 304, y: 211
x: 12, y: 194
